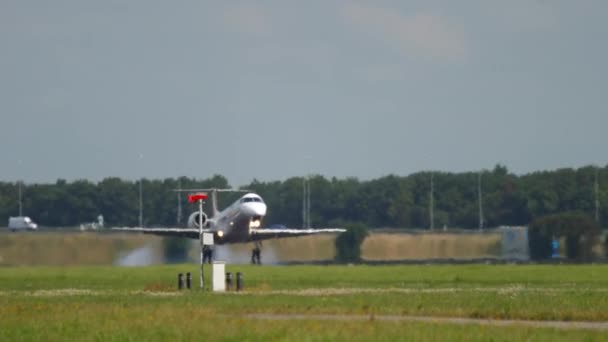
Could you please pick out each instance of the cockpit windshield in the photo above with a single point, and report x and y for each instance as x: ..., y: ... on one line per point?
x: 251, y: 199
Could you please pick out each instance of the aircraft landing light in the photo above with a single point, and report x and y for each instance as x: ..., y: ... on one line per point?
x: 254, y: 224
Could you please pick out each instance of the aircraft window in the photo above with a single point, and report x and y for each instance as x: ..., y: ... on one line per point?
x: 251, y: 199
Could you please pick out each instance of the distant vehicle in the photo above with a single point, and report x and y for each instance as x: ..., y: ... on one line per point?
x: 92, y: 225
x: 21, y: 223
x: 277, y: 226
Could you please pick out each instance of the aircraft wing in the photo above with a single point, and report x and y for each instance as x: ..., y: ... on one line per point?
x: 268, y: 233
x: 192, y: 233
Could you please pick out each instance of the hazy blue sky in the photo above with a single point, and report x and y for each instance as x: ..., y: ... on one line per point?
x: 274, y: 89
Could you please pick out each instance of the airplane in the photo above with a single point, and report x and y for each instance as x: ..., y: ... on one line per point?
x: 239, y: 222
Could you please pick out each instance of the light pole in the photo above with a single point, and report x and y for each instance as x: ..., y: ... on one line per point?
x: 308, y: 221
x: 480, y: 199
x: 306, y: 202
x: 141, y: 212
x: 20, y: 199
x: 597, y: 195
x: 19, y: 191
x: 306, y: 194
x: 432, y: 203
x: 179, y: 202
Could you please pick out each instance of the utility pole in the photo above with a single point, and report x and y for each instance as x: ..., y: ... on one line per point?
x: 19, y: 190
x: 141, y: 210
x: 308, y: 221
x: 20, y: 199
x: 480, y: 199
x: 306, y: 202
x: 179, y: 202
x: 303, y: 202
x: 597, y: 195
x: 432, y: 203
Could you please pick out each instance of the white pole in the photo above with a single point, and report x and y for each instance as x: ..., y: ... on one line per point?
x: 179, y: 203
x: 141, y: 212
x: 480, y: 201
x: 308, y: 222
x: 20, y: 193
x: 304, y: 202
x: 200, y: 235
x: 432, y: 204
x: 597, y: 195
x: 20, y: 200
x: 141, y: 202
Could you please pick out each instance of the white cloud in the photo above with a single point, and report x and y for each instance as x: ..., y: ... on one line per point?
x: 419, y: 34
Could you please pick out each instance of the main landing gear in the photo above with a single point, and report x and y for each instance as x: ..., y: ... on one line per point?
x: 256, y: 253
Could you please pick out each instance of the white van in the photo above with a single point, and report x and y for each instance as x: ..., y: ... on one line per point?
x: 20, y: 223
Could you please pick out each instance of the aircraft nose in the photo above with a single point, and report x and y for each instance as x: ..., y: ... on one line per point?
x: 255, y: 209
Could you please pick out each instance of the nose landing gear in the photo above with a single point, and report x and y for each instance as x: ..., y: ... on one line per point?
x: 207, y: 254
x: 256, y: 253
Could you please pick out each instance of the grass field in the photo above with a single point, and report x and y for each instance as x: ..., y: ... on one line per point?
x: 119, y: 303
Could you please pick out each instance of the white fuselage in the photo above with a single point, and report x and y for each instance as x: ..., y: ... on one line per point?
x: 237, y: 222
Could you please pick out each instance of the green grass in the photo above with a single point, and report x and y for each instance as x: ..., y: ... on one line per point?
x: 191, y: 321
x: 303, y: 277
x: 106, y: 303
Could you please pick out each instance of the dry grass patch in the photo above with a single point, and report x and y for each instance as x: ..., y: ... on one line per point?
x: 400, y: 246
x: 302, y: 248
x: 305, y: 248
x: 69, y: 248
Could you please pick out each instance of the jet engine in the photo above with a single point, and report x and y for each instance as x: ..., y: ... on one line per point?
x: 194, y: 219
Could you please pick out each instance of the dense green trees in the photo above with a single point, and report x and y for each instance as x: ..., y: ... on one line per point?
x: 348, y: 244
x: 389, y: 201
x: 579, y: 231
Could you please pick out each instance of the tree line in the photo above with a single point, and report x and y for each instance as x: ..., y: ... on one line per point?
x: 389, y: 201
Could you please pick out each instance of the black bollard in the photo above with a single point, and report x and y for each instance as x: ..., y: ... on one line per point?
x: 228, y: 281
x: 180, y: 281
x: 188, y: 280
x: 239, y: 281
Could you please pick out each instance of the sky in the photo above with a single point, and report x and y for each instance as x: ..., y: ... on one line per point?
x: 269, y: 90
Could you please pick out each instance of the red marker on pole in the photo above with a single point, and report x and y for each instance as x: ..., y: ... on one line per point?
x: 199, y: 196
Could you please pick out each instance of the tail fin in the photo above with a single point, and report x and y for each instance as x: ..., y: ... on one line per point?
x: 213, y: 192
x: 214, y: 209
